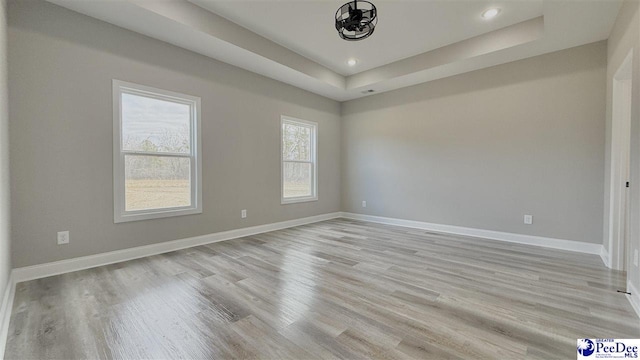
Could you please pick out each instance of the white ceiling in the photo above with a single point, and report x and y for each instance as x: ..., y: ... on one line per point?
x: 415, y: 41
x: 405, y: 28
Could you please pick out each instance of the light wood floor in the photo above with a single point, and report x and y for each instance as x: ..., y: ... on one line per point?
x: 335, y: 289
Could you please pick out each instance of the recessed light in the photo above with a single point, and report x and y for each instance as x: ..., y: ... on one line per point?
x: 352, y: 62
x: 490, y: 13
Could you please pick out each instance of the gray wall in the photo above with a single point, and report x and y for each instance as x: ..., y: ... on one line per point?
x: 5, y: 242
x: 476, y: 150
x: 482, y: 149
x: 61, y: 66
x: 625, y: 37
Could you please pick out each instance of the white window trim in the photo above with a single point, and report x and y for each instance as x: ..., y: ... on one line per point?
x: 119, y: 213
x: 314, y: 160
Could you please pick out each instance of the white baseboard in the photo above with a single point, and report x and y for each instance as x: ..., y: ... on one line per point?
x: 634, y: 298
x: 604, y: 255
x: 561, y: 244
x: 86, y: 262
x: 5, y: 312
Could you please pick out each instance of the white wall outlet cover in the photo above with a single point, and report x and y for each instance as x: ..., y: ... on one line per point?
x: 63, y: 237
x: 364, y: 204
x: 528, y: 219
x: 243, y: 214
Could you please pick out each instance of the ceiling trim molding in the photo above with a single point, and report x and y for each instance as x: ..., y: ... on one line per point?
x: 202, y: 20
x: 497, y: 40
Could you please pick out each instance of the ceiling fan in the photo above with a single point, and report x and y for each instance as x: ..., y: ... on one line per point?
x: 356, y: 20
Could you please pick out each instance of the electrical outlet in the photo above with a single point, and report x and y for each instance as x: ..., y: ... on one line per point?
x: 243, y: 214
x: 364, y: 204
x: 63, y: 237
x: 528, y: 219
x: 635, y: 257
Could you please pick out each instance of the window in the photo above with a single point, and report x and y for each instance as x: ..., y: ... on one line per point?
x: 156, y: 160
x: 299, y: 166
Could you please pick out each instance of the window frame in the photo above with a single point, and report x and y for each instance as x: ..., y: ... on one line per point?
x: 313, y: 160
x: 120, y: 214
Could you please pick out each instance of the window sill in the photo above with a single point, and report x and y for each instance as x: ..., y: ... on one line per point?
x: 160, y: 214
x: 298, y: 200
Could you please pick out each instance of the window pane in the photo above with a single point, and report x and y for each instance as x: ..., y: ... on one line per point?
x: 156, y: 182
x: 296, y: 142
x: 155, y: 125
x: 297, y: 179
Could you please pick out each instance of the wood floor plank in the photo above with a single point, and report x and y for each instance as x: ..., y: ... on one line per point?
x: 338, y: 289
